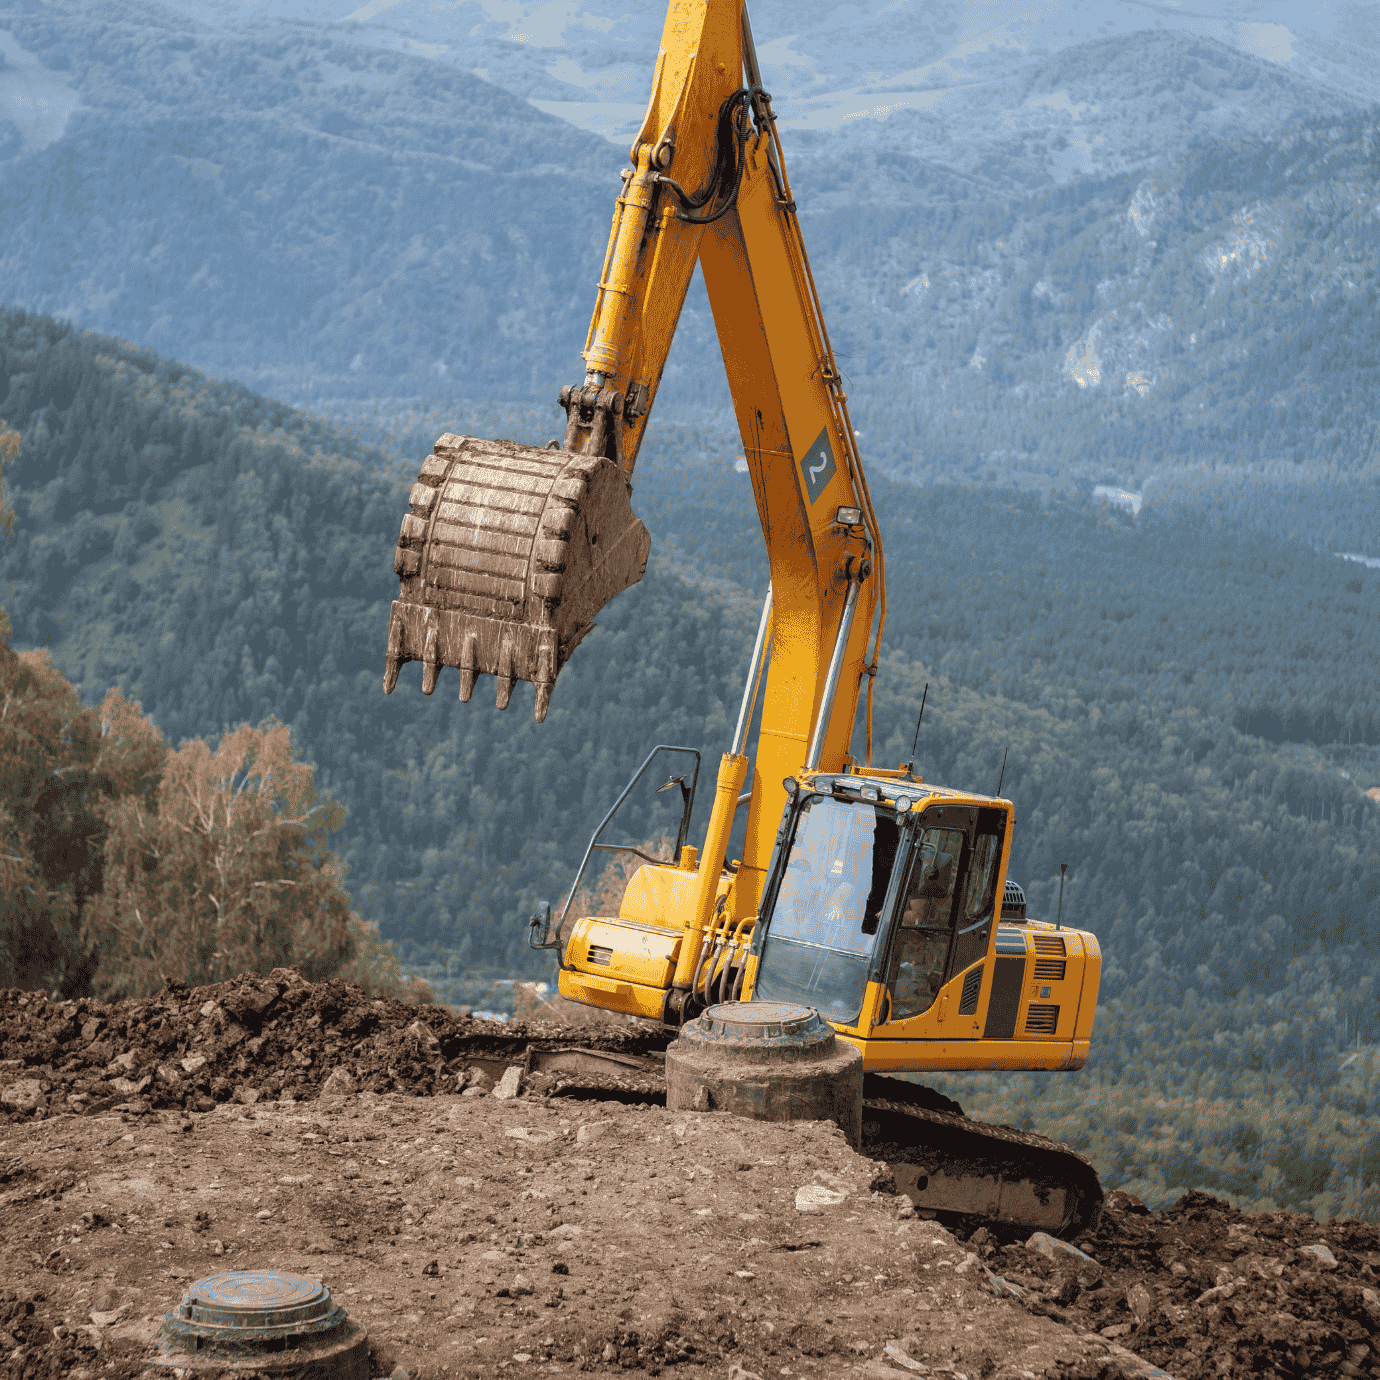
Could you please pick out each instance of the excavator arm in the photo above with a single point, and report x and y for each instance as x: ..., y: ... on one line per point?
x: 823, y: 541
x: 500, y: 555
x: 705, y: 131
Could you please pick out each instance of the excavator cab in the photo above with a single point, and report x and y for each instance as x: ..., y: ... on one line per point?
x: 881, y: 911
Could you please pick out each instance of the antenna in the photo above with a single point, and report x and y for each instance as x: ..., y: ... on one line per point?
x: 1003, y: 770
x: 1059, y: 923
x: 910, y: 766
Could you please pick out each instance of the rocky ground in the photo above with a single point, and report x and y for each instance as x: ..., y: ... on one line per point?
x: 269, y: 1123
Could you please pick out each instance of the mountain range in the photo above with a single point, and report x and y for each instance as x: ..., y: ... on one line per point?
x: 832, y: 65
x: 1129, y: 252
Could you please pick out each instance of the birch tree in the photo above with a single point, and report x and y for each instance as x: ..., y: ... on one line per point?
x: 225, y: 870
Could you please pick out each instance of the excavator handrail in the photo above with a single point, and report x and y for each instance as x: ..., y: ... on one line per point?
x: 556, y: 941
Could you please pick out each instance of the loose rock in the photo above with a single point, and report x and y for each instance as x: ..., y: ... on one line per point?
x: 24, y: 1096
x: 1052, y: 1247
x: 510, y: 1084
x: 339, y: 1084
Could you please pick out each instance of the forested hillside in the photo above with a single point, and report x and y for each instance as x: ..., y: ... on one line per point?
x: 223, y: 559
x: 1185, y: 606
x: 296, y: 211
x: 1020, y: 593
x: 209, y: 553
x: 1220, y: 311
x: 206, y: 550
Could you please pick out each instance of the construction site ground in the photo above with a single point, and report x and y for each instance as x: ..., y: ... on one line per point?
x: 272, y: 1124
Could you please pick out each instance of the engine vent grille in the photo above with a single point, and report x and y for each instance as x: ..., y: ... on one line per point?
x: 600, y: 956
x: 1041, y: 1020
x: 1049, y: 944
x: 1050, y: 969
x: 972, y: 986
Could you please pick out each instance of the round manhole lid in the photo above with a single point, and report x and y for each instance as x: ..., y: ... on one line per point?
x: 762, y: 1020
x: 255, y: 1298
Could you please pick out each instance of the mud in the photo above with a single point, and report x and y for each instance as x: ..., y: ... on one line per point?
x: 258, y: 1037
x: 270, y: 1123
x: 1203, y: 1290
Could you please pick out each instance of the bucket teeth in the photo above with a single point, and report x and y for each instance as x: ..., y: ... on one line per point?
x: 545, y: 677
x: 469, y: 644
x: 393, y: 663
x: 431, y: 662
x: 505, y: 675
x: 500, y: 569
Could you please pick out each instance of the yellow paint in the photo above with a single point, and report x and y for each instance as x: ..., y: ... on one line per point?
x: 627, y: 997
x: 659, y: 896
x: 910, y: 1056
x: 793, y: 419
x: 638, y: 952
x: 707, y: 879
x: 1087, y: 1006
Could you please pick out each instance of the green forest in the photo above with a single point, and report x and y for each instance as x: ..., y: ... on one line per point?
x: 1187, y: 706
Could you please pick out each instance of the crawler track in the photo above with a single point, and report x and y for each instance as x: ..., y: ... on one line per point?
x: 947, y: 1164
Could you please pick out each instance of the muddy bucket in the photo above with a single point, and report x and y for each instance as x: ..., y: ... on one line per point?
x: 506, y: 554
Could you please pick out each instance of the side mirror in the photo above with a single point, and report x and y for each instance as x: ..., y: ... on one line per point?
x: 539, y: 928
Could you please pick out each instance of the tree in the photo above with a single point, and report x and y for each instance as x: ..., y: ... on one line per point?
x: 225, y: 870
x: 9, y: 450
x: 60, y: 767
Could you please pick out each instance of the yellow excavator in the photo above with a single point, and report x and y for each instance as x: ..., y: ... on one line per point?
x: 862, y: 891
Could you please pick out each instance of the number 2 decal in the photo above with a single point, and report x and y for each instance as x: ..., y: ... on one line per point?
x: 817, y: 466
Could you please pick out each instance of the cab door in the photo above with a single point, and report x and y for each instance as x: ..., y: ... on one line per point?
x: 942, y: 926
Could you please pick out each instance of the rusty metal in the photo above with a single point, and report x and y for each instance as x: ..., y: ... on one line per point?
x: 505, y: 556
x: 593, y: 421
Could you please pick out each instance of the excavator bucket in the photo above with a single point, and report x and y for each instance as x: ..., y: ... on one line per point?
x: 505, y: 556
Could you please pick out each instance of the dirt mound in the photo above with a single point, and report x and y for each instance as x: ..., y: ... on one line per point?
x: 1200, y: 1290
x: 277, y: 1037
x: 1204, y: 1290
x: 528, y: 1237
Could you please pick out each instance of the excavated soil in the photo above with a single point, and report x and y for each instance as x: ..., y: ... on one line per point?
x: 1204, y: 1290
x: 254, y: 1037
x: 268, y: 1123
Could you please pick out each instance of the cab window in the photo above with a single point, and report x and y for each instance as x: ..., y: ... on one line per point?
x: 979, y: 898
x: 920, y: 953
x: 825, y: 921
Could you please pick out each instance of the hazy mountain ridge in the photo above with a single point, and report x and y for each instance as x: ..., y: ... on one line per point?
x: 1222, y: 308
x: 830, y: 65
x: 325, y: 218
x: 291, y: 210
x: 1105, y: 107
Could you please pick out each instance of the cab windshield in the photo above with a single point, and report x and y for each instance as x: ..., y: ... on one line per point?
x: 828, y: 907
